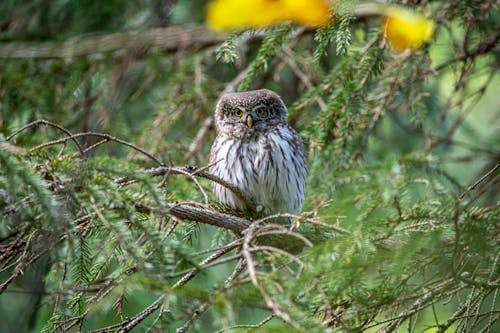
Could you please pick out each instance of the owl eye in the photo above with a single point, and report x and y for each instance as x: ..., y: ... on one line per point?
x: 238, y: 113
x: 261, y: 111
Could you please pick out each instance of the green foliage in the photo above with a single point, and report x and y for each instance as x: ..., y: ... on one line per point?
x: 226, y: 51
x: 401, y: 224
x: 268, y: 48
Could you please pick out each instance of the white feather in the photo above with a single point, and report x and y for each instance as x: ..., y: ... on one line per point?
x: 274, y: 178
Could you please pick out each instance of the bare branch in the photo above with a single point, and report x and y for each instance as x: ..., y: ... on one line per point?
x: 47, y: 123
x: 162, y: 170
x: 188, y: 276
x: 100, y: 135
x: 258, y: 325
x: 159, y: 40
x: 246, y: 252
x: 186, y: 211
x: 130, y: 323
x: 480, y: 180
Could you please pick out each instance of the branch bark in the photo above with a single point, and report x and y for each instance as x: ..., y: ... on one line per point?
x: 163, y: 39
x: 185, y: 211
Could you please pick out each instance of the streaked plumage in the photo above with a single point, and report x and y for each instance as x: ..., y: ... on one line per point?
x: 259, y: 152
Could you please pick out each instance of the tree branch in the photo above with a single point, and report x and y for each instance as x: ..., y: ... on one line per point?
x: 163, y: 39
x: 185, y: 211
x: 163, y: 170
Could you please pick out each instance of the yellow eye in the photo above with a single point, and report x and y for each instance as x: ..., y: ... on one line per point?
x: 260, y: 111
x: 238, y: 113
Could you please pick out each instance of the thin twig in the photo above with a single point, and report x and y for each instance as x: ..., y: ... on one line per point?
x: 47, y: 123
x: 95, y: 145
x: 195, y: 181
x: 196, y: 313
x: 203, y: 174
x: 480, y: 180
x: 236, y: 272
x: 198, y: 268
x: 188, y: 276
x: 246, y: 252
x: 420, y: 304
x: 268, y: 248
x: 100, y: 135
x: 258, y: 325
x: 484, y: 47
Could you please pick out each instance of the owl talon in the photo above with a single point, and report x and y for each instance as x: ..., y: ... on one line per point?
x: 295, y: 223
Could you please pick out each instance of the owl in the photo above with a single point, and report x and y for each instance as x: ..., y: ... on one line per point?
x: 259, y: 152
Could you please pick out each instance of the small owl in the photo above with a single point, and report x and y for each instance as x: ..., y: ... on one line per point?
x: 259, y: 152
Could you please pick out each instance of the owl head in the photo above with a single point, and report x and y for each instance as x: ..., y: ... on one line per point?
x: 245, y: 114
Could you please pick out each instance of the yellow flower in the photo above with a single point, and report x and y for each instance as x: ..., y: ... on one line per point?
x: 230, y: 14
x: 405, y: 29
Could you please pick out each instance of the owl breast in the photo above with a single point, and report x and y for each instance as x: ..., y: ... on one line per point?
x: 269, y: 168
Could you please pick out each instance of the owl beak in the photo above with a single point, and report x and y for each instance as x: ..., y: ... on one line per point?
x: 249, y: 121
